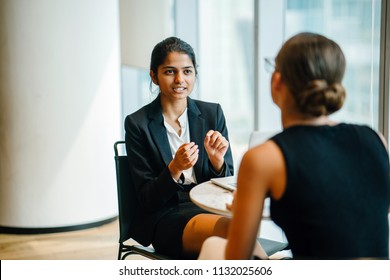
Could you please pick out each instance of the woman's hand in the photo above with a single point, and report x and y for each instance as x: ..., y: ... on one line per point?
x: 186, y: 157
x: 216, y: 146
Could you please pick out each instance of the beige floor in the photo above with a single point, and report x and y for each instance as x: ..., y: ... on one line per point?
x: 100, y: 243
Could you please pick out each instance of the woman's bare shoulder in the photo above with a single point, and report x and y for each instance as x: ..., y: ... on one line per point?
x: 264, y: 154
x: 267, y: 162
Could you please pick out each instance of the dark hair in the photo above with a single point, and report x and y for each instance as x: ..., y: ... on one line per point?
x: 312, y: 66
x: 171, y: 44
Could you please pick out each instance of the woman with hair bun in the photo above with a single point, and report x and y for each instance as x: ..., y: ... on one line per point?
x: 328, y: 182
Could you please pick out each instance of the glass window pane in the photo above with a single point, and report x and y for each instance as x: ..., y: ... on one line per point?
x: 355, y: 26
x: 226, y: 64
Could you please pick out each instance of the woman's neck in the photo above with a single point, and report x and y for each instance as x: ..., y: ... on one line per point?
x: 173, y: 110
x: 300, y: 119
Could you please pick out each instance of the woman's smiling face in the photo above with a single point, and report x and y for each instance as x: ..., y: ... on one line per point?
x: 175, y: 76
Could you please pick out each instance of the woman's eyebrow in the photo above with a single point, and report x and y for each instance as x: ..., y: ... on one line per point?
x: 172, y: 67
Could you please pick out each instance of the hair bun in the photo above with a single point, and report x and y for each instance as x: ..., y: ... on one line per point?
x: 320, y: 98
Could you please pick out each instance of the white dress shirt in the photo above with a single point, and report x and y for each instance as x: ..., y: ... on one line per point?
x: 176, y: 140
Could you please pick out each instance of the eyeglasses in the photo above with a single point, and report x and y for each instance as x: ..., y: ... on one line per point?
x: 269, y: 64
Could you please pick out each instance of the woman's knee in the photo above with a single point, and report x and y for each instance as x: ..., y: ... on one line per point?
x: 200, y: 227
x: 208, y: 225
x: 213, y: 248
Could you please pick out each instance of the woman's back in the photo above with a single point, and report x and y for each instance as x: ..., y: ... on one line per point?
x: 337, y: 192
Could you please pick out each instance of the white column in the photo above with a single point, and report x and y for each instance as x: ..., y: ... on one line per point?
x: 59, y: 112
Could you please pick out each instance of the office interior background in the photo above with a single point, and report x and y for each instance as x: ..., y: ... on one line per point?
x: 233, y: 38
x: 72, y: 70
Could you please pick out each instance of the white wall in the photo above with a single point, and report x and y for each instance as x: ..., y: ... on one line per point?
x: 59, y: 111
x: 142, y: 25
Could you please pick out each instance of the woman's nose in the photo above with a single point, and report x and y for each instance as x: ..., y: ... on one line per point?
x: 179, y: 78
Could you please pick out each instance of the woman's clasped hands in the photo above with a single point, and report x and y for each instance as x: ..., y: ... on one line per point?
x: 187, y: 155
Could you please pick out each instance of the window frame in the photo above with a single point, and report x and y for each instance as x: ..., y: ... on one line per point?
x: 262, y: 112
x: 384, y: 70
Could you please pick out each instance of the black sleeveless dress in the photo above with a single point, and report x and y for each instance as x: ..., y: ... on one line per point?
x: 337, y: 195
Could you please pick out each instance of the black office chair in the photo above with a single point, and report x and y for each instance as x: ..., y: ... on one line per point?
x: 126, y: 206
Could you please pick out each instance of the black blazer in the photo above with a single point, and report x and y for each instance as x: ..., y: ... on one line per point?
x: 149, y: 154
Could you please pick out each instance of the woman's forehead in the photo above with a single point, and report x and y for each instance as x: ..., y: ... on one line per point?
x: 177, y: 60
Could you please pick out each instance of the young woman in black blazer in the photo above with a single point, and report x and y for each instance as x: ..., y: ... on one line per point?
x: 174, y: 143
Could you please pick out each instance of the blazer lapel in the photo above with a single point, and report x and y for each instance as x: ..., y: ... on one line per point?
x: 158, y: 131
x: 197, y: 134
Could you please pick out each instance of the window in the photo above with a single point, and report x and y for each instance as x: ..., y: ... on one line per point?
x: 231, y: 75
x: 355, y: 26
x: 226, y: 64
